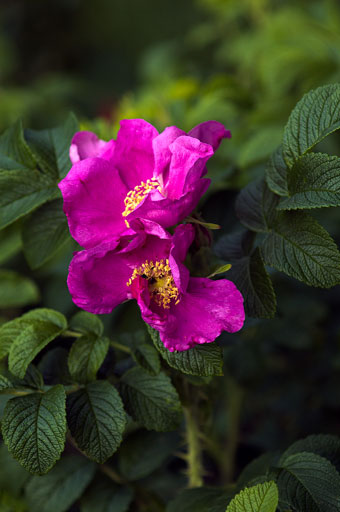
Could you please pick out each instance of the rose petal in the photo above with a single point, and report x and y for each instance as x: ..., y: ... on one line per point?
x: 210, y: 132
x: 208, y: 308
x: 133, y: 155
x: 93, y: 196
x: 85, y: 145
x: 162, y: 151
x: 182, y: 239
x: 97, y: 279
x: 187, y: 165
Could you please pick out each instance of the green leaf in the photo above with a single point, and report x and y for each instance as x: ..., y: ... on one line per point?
x: 44, y: 233
x: 308, y: 482
x: 208, y: 225
x: 248, y: 273
x: 221, y: 270
x: 261, y: 466
x: 14, y: 147
x: 34, y: 429
x: 253, y: 281
x: 147, y: 357
x: 315, y: 116
x: 260, y: 498
x: 142, y: 452
x: 142, y: 351
x: 51, y: 147
x: 326, y: 446
x: 235, y: 246
x: 96, y: 419
x: 86, y: 323
x: 10, y: 243
x: 301, y: 248
x: 105, y: 496
x: 86, y: 357
x: 314, y: 182
x: 5, y: 383
x: 276, y: 173
x: 37, y: 329
x: 202, y: 360
x: 21, y: 192
x: 8, y: 332
x: 62, y: 486
x: 202, y: 499
x: 16, y: 291
x: 151, y: 400
x: 14, y: 477
x: 33, y: 378
x: 255, y: 206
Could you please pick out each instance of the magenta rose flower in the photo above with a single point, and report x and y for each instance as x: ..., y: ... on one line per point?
x: 148, y: 266
x: 143, y: 174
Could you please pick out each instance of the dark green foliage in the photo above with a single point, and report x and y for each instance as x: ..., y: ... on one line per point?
x: 248, y: 273
x: 86, y: 356
x: 85, y: 322
x: 96, y: 419
x: 315, y: 116
x: 325, y: 445
x: 303, y: 249
x: 51, y: 147
x: 143, y: 452
x: 203, y: 360
x: 44, y: 233
x: 34, y: 429
x: 313, y: 182
x: 255, y: 206
x: 16, y: 290
x: 36, y: 329
x: 5, y: 383
x: 200, y: 500
x: 308, y: 482
x: 151, y: 400
x: 62, y: 486
x: 105, y: 496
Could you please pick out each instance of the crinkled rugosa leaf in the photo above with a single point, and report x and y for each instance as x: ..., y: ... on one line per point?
x: 44, y: 233
x: 202, y: 360
x: 86, y: 357
x: 96, y: 419
x: 308, y: 482
x: 315, y: 116
x: 34, y: 428
x: 151, y: 400
x: 314, y: 182
x: 262, y: 497
x: 300, y: 247
x: 37, y: 328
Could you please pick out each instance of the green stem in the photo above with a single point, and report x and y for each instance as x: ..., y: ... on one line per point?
x: 71, y: 334
x: 108, y: 471
x: 19, y: 392
x: 194, y: 456
x: 121, y: 347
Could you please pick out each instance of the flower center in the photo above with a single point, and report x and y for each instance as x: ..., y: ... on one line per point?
x: 160, y: 282
x: 136, y: 196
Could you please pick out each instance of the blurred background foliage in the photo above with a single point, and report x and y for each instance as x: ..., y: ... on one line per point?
x: 245, y: 64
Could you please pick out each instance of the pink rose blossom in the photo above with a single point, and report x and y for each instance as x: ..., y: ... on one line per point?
x: 146, y: 264
x: 143, y: 174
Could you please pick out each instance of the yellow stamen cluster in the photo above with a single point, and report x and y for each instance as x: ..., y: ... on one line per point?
x: 161, y: 283
x: 136, y: 196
